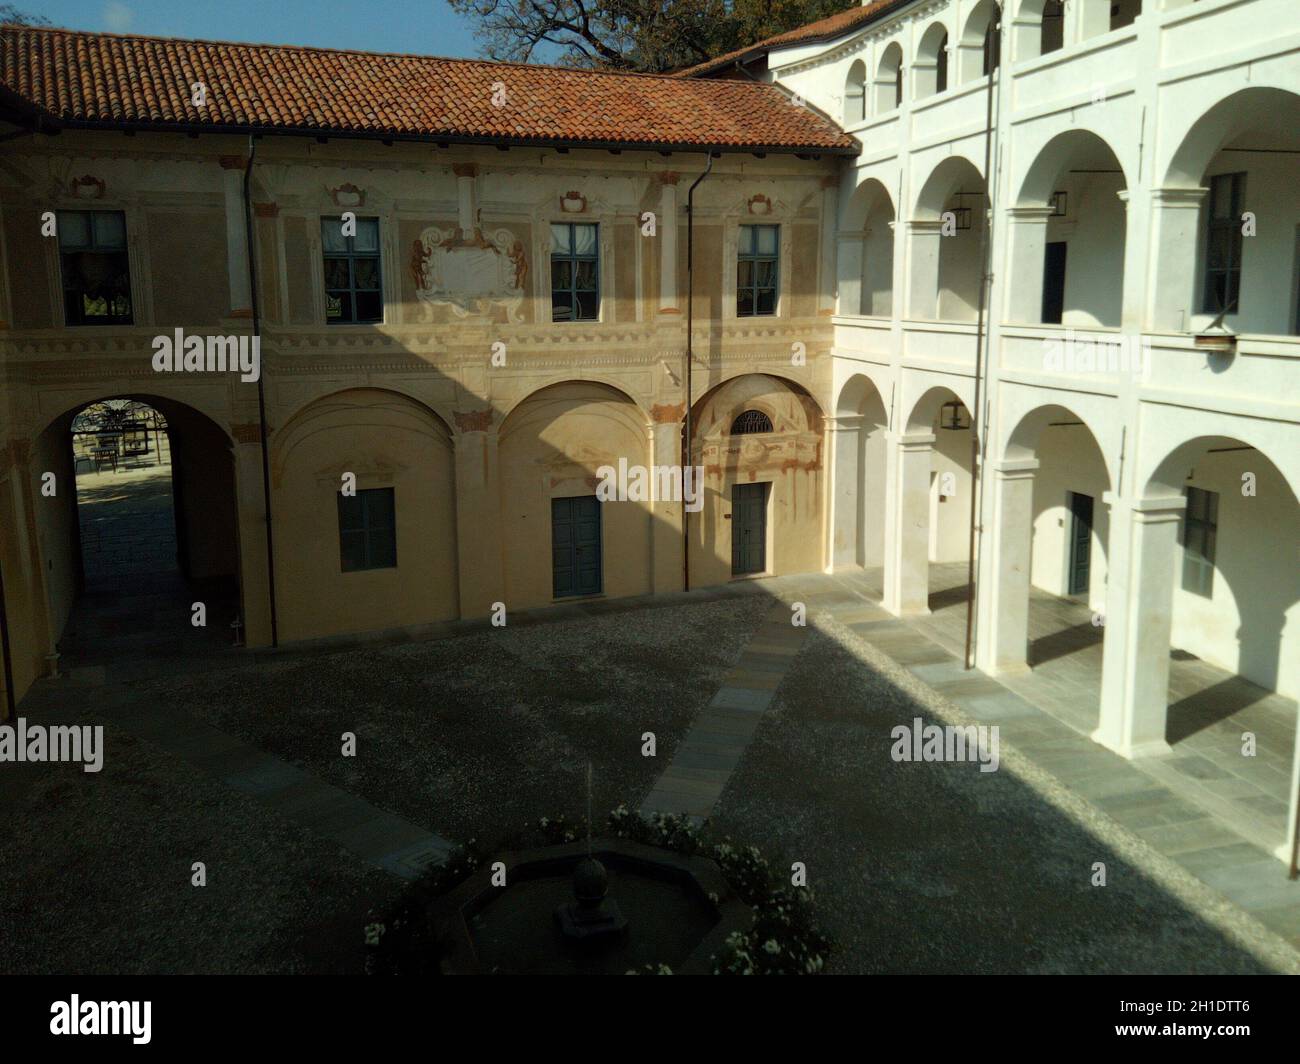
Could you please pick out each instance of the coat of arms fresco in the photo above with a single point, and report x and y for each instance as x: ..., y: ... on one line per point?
x: 470, y: 274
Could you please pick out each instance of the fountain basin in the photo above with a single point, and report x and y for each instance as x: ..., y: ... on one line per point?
x: 679, y: 912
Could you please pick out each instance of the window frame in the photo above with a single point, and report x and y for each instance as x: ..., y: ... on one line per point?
x: 1199, y: 535
x: 80, y: 320
x: 1231, y: 225
x: 367, y: 530
x: 351, y: 255
x: 574, y: 259
x: 754, y: 256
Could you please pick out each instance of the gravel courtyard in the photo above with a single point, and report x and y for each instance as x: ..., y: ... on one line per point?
x: 917, y: 867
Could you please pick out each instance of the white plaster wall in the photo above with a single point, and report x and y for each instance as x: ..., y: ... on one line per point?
x: 1068, y: 461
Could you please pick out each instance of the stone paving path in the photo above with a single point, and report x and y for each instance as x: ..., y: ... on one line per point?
x: 708, y: 755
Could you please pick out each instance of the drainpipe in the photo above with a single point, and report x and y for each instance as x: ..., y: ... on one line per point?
x: 261, y: 389
x: 690, y: 358
x: 976, y: 423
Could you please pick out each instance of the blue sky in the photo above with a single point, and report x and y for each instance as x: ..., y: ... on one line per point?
x: 426, y: 27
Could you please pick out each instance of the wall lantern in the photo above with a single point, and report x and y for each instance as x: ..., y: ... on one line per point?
x: 953, y: 416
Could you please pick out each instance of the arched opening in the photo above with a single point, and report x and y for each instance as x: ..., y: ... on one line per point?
x: 138, y: 532
x: 1049, y: 542
x: 363, y: 484
x: 931, y: 541
x: 1039, y: 28
x: 761, y: 512
x: 563, y: 536
x: 855, y: 94
x: 946, y: 236
x: 1124, y: 13
x: 866, y: 252
x: 1214, y: 637
x: 1241, y: 262
x: 1068, y: 235
x: 858, y: 538
x: 889, y: 79
x: 981, y: 41
x: 930, y: 69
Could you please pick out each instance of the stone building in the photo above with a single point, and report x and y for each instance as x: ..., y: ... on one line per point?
x: 1031, y: 271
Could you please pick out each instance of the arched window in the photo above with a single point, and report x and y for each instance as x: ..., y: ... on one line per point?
x: 1053, y: 30
x: 855, y: 94
x: 889, y: 79
x: 993, y: 42
x: 751, y: 421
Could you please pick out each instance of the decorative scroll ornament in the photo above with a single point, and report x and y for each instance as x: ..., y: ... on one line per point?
x: 470, y: 274
x: 573, y: 202
x: 87, y: 187
x: 348, y: 196
x: 760, y: 204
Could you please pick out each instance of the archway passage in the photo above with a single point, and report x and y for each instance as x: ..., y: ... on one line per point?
x: 946, y: 238
x: 866, y: 252
x: 141, y: 558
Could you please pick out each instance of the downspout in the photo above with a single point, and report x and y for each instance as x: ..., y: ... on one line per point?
x: 690, y: 358
x: 261, y: 389
x: 976, y: 423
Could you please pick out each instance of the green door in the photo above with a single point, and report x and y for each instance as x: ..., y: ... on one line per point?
x: 575, y: 546
x: 748, y: 528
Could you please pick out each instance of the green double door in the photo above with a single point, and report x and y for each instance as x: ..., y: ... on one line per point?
x: 575, y: 546
x: 748, y: 528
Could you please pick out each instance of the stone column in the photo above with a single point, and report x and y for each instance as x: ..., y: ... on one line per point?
x: 907, y: 545
x: 1028, y: 246
x: 241, y: 289
x: 666, y: 227
x: 829, y: 251
x: 481, y: 572
x: 1172, y: 298
x: 845, y: 506
x: 666, y: 514
x: 923, y: 242
x: 1139, y: 615
x: 1003, y: 647
x: 250, y: 502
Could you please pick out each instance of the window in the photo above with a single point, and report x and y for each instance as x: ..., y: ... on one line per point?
x: 575, y: 272
x: 898, y: 86
x: 756, y: 270
x: 352, y: 290
x: 95, y: 267
x: 1200, y: 529
x: 751, y: 421
x: 1052, y: 32
x: 1223, y: 243
x: 367, y: 530
x: 941, y: 66
x: 993, y: 43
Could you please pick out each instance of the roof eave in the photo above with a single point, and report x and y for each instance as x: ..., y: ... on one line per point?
x: 48, y: 123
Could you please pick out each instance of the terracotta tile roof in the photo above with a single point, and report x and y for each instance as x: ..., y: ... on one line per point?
x: 93, y: 80
x: 826, y: 29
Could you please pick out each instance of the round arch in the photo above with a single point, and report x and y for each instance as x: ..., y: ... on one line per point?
x: 953, y: 174
x: 1076, y: 148
x: 923, y: 412
x: 930, y: 67
x: 607, y: 383
x: 1265, y: 109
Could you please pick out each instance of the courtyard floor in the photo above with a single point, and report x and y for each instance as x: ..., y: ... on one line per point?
x: 779, y: 735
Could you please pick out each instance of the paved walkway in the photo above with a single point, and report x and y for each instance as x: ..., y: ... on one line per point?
x: 705, y: 759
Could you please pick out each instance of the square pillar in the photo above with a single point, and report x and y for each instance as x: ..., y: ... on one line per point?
x: 827, y: 264
x: 480, y: 569
x: 1028, y: 249
x: 250, y: 503
x: 666, y: 228
x: 1175, y: 220
x: 923, y: 237
x: 241, y: 289
x: 847, y: 490
x: 666, y: 514
x: 1004, y: 646
x: 1139, y: 605
x: 907, y: 535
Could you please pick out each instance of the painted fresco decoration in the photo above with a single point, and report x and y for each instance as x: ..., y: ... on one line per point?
x: 470, y: 274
